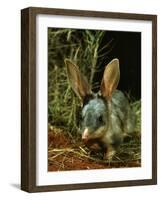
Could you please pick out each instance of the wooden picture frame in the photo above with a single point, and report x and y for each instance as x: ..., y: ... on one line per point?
x: 29, y: 96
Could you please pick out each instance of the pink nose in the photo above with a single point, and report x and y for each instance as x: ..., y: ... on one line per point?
x: 85, y: 134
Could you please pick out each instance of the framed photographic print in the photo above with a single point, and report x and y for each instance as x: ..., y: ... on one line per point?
x: 88, y: 99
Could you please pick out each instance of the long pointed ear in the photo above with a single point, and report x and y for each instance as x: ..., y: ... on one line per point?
x: 77, y: 81
x: 110, y: 79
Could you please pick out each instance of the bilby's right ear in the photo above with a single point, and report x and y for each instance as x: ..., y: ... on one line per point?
x: 110, y: 78
x: 77, y: 81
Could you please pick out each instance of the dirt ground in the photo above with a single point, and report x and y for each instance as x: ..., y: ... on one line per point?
x: 66, y: 153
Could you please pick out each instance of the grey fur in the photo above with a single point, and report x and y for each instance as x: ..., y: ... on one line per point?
x: 117, y: 118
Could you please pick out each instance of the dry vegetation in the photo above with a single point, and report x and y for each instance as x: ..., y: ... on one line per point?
x: 65, y: 149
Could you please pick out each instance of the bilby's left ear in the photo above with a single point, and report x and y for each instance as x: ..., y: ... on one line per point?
x: 110, y: 78
x: 77, y: 81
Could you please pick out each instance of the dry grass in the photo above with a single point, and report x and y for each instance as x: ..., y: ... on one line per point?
x: 83, y: 48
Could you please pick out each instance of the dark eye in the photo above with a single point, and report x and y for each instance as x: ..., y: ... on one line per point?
x: 100, y: 118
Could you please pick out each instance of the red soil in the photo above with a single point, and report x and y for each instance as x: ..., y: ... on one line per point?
x: 65, y: 154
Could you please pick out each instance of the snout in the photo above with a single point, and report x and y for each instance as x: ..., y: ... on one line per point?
x: 85, y: 135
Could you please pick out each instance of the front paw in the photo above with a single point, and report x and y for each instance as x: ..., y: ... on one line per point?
x: 109, y: 154
x: 94, y: 145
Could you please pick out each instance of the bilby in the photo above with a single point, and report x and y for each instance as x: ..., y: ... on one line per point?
x: 106, y: 116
